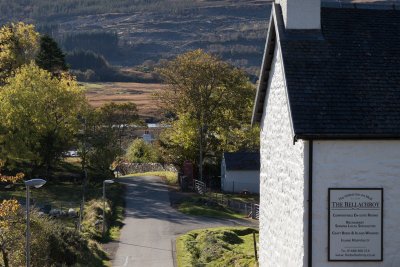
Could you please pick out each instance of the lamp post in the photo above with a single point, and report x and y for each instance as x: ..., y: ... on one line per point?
x: 104, y: 204
x: 35, y: 183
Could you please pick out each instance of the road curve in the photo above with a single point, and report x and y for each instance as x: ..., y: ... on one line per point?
x: 151, y: 225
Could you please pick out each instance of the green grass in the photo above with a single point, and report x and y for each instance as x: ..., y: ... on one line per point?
x: 223, y: 246
x: 117, y: 216
x: 170, y: 178
x: 61, y: 193
x: 240, y: 197
x: 196, y: 206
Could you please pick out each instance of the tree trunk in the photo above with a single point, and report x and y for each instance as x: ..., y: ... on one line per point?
x: 5, y: 258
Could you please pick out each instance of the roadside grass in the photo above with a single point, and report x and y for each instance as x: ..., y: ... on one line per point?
x: 240, y: 197
x: 199, y: 206
x: 116, y: 194
x: 170, y: 178
x: 219, y: 247
x: 64, y: 191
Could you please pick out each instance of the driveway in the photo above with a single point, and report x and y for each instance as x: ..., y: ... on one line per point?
x: 151, y: 225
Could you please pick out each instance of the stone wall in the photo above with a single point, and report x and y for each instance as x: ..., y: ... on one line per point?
x: 357, y: 164
x: 127, y: 168
x: 282, y: 182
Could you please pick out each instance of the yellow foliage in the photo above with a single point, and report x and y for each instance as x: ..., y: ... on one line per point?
x: 10, y: 179
x: 8, y: 209
x: 19, y: 44
x: 36, y: 107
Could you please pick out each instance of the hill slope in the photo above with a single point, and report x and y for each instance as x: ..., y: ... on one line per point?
x: 141, y: 32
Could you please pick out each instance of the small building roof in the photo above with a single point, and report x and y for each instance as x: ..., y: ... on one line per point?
x: 342, y: 81
x: 242, y: 161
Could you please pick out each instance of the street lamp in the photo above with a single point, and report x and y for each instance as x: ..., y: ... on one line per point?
x: 30, y: 183
x: 104, y: 203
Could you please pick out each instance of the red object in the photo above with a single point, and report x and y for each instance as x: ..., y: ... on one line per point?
x: 188, y: 171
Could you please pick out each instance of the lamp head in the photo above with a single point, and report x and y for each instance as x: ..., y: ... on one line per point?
x: 108, y: 181
x: 35, y: 183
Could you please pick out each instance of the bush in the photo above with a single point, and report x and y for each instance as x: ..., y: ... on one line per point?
x: 141, y: 152
x: 52, y: 244
x: 93, y: 218
x: 55, y: 245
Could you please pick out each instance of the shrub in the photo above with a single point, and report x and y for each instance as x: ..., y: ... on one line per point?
x: 52, y: 244
x: 141, y: 152
x: 93, y: 218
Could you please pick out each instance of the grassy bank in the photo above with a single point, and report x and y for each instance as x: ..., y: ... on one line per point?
x: 170, y: 178
x: 199, y: 206
x: 61, y: 192
x: 224, y: 246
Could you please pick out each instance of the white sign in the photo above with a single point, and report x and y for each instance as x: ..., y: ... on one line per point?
x: 355, y: 224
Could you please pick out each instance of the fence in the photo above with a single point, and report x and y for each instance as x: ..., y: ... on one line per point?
x: 249, y: 209
x: 200, y: 187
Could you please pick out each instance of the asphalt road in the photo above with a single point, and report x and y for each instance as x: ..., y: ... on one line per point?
x: 151, y: 225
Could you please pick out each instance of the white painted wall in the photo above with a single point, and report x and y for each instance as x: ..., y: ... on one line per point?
x: 301, y: 14
x: 357, y: 164
x: 237, y: 181
x: 282, y: 182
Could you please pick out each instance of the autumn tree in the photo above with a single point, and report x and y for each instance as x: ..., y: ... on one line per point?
x: 19, y: 44
x: 11, y: 232
x: 11, y: 227
x: 212, y: 102
x: 39, y: 115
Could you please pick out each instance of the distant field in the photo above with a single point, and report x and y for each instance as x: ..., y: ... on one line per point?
x: 142, y: 94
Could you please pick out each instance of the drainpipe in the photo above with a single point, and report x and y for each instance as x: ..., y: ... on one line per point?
x: 310, y: 200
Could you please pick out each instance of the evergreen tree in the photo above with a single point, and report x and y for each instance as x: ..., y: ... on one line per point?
x: 50, y: 56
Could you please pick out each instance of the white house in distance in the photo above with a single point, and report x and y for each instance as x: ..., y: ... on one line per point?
x: 329, y: 107
x: 240, y: 172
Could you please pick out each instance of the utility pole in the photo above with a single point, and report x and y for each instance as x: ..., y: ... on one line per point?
x: 81, y: 210
x: 201, y: 153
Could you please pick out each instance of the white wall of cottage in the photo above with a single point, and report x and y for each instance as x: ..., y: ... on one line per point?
x: 362, y: 164
x: 282, y: 180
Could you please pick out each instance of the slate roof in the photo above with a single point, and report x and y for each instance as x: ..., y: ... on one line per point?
x: 342, y: 81
x: 243, y: 161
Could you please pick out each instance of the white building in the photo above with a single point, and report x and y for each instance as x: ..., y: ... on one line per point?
x: 240, y: 172
x: 329, y: 107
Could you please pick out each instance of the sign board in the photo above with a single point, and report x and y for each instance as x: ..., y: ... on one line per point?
x: 355, y: 224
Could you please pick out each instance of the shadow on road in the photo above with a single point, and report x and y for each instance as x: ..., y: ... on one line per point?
x: 147, y: 197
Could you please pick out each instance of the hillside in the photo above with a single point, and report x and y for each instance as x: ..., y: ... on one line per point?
x: 147, y: 31
x: 139, y: 34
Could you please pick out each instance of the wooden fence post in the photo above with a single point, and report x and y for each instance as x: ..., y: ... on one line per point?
x: 255, y: 245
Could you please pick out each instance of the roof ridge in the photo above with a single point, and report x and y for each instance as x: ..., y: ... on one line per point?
x: 387, y: 5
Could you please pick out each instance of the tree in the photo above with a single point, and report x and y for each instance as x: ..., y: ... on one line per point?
x: 11, y: 231
x: 98, y: 147
x: 119, y: 117
x: 141, y: 152
x: 39, y: 115
x: 19, y: 44
x: 50, y: 56
x: 211, y: 100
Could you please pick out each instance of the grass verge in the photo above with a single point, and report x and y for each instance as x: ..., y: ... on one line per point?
x: 199, y: 206
x: 62, y: 193
x: 170, y: 178
x: 255, y: 198
x: 223, y: 246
